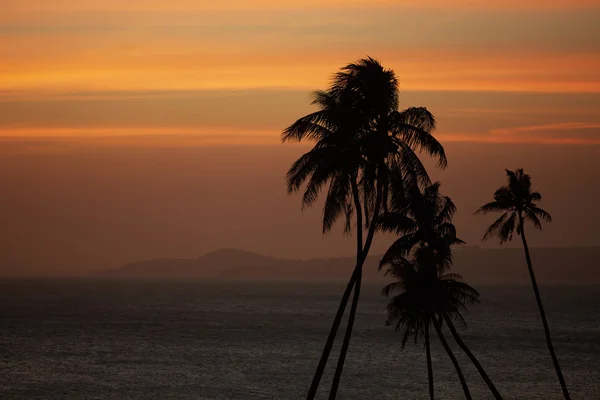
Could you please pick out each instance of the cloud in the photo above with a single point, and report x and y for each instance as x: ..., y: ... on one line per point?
x: 62, y: 141
x: 573, y: 133
x: 188, y: 45
x: 541, y: 29
x: 22, y: 6
x: 569, y: 132
x: 569, y: 126
x: 159, y: 66
x: 193, y: 117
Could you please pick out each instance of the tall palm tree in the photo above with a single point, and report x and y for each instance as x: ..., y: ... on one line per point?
x: 424, y: 220
x: 424, y: 294
x: 337, y: 160
x: 518, y: 203
x: 361, y: 142
x: 388, y: 146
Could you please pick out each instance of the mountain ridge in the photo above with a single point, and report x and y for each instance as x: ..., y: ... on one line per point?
x: 476, y: 264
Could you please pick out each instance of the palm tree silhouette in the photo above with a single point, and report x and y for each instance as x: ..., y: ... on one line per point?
x: 424, y: 220
x: 519, y: 204
x: 363, y: 145
x: 421, y: 217
x: 425, y: 293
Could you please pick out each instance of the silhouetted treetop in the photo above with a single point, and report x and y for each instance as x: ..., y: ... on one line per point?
x: 515, y: 198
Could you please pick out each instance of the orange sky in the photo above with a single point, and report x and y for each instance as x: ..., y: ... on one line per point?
x: 139, y: 129
x: 144, y: 52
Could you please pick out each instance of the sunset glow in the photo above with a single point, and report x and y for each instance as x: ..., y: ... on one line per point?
x: 167, y: 56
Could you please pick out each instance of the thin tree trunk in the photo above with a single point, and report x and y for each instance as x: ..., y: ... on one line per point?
x: 362, y: 257
x: 345, y: 297
x: 463, y: 382
x: 472, y: 357
x: 538, y: 298
x: 429, y: 365
x: 340, y: 364
x: 331, y: 338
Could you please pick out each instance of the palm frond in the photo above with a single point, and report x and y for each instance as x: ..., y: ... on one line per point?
x: 414, y: 126
x: 544, y: 215
x: 312, y: 127
x: 507, y: 229
x: 448, y: 209
x: 349, y: 212
x: 493, y: 206
x: 337, y: 200
x: 535, y: 196
x: 325, y: 100
x: 451, y: 276
x: 304, y: 166
x: 320, y: 176
x: 447, y: 231
x: 531, y: 217
x: 513, y: 178
x: 496, y: 228
x: 390, y: 288
x: 409, y: 165
x: 395, y: 222
x: 399, y: 249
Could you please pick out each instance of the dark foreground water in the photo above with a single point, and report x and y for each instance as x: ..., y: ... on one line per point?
x: 85, y: 339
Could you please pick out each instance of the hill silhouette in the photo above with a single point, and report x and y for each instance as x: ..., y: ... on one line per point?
x: 569, y: 265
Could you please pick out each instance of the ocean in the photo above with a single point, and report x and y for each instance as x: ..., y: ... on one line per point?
x: 186, y: 339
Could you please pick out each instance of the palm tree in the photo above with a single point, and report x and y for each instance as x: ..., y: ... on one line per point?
x: 421, y: 217
x: 361, y: 142
x: 424, y: 294
x: 336, y: 159
x: 424, y: 220
x: 388, y: 145
x: 518, y: 204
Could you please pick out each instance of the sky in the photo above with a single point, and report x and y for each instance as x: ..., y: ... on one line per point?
x: 140, y: 129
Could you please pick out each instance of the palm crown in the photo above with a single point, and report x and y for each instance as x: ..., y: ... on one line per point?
x: 424, y: 293
x: 518, y: 204
x: 364, y: 150
x: 360, y: 138
x: 423, y: 218
x: 335, y: 158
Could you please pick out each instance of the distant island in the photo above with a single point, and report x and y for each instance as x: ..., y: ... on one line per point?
x: 568, y: 265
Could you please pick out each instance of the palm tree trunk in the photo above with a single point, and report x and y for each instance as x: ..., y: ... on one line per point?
x: 429, y: 365
x: 472, y: 357
x: 362, y: 257
x: 538, y: 298
x: 463, y: 382
x: 340, y: 364
x: 345, y: 297
x: 332, y: 333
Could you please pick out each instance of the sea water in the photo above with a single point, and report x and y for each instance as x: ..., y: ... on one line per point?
x: 186, y: 339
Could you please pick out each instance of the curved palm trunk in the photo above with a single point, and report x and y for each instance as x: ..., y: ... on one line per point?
x: 345, y: 297
x: 340, y: 365
x: 472, y: 357
x: 429, y: 365
x: 461, y: 377
x: 538, y: 298
x: 332, y: 333
x: 362, y: 257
